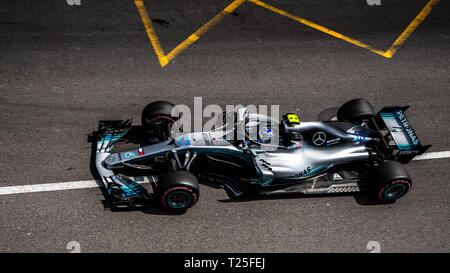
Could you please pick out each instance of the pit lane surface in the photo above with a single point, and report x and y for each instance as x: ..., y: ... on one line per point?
x: 63, y: 68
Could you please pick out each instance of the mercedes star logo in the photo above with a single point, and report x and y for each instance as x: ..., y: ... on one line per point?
x: 319, y: 138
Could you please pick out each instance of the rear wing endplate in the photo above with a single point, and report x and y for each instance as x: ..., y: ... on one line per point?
x: 398, y: 134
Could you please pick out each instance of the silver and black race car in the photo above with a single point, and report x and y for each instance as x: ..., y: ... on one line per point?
x: 350, y: 149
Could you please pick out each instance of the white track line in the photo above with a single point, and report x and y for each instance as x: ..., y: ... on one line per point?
x: 49, y: 187
x: 433, y: 155
x: 94, y: 184
x: 61, y: 186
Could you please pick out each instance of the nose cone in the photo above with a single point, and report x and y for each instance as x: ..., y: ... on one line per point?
x: 110, y: 159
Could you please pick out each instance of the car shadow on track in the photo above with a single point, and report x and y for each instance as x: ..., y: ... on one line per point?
x: 362, y: 198
x: 152, y: 208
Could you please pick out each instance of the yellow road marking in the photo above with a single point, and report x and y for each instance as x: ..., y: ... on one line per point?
x: 165, y: 59
x: 409, y: 30
x: 151, y: 32
x: 388, y: 54
x: 317, y: 27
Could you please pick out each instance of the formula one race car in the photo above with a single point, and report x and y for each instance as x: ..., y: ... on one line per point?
x: 351, y: 149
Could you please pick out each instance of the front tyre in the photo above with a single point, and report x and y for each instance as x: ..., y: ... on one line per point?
x: 157, y: 119
x: 178, y: 191
x: 390, y: 181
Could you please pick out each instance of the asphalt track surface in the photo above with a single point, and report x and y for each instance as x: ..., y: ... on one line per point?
x: 63, y: 68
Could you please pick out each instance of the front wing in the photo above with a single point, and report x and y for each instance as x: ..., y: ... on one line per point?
x: 122, y: 190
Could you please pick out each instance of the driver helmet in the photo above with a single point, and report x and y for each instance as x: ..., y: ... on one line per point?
x: 291, y: 119
x: 265, y: 134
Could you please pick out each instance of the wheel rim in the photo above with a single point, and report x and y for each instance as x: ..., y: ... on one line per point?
x: 395, y: 191
x: 179, y: 199
x: 161, y: 126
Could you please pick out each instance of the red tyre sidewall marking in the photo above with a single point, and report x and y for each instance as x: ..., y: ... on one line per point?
x: 399, y: 181
x: 193, y: 194
x: 163, y: 117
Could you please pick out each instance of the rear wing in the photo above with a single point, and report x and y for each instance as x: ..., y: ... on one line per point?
x: 397, y: 134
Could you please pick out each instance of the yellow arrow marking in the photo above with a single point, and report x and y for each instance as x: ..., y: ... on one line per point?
x: 165, y: 59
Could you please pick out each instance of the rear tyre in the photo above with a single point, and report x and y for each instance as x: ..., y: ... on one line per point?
x: 390, y: 181
x: 157, y: 120
x: 356, y: 110
x: 328, y: 114
x: 178, y: 191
